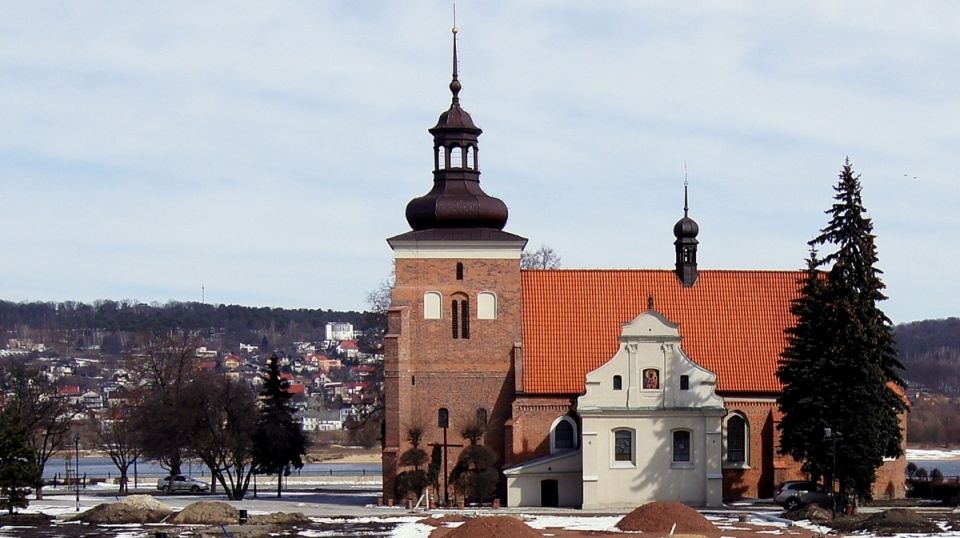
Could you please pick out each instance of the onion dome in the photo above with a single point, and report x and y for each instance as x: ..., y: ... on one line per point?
x: 456, y: 199
x: 686, y: 228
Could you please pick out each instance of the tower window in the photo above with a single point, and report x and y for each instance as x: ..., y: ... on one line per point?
x: 617, y: 383
x: 684, y: 382
x: 471, y: 158
x: 459, y: 270
x: 456, y: 157
x: 431, y: 305
x: 441, y: 158
x: 486, y: 305
x: 443, y: 418
x: 460, y: 318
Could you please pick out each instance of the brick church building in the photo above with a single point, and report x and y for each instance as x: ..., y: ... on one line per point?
x: 585, y: 379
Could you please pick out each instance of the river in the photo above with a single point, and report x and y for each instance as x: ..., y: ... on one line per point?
x: 104, y: 468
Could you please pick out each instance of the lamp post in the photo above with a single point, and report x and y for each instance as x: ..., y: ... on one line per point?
x: 832, y: 436
x: 76, y: 474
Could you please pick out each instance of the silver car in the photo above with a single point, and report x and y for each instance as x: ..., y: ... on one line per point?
x: 793, y: 495
x: 182, y: 483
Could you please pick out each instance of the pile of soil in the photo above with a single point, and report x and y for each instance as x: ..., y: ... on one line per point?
x: 221, y: 513
x: 132, y: 509
x: 660, y: 517
x: 895, y: 521
x: 811, y: 512
x: 206, y: 513
x: 494, y: 527
x: 279, y: 518
x: 18, y: 519
x: 443, y: 520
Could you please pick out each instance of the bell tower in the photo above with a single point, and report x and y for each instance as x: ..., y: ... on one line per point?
x: 455, y: 315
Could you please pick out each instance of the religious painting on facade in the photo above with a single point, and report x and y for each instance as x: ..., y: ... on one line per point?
x: 651, y: 378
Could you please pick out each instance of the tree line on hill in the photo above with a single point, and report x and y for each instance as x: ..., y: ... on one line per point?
x: 930, y: 349
x: 112, y: 326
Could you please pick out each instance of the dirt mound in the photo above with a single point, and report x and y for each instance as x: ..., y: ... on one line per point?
x: 888, y: 522
x: 811, y: 512
x: 661, y: 517
x: 280, y: 518
x: 120, y: 512
x: 494, y: 527
x: 146, y: 502
x: 443, y: 520
x: 21, y: 519
x: 206, y: 513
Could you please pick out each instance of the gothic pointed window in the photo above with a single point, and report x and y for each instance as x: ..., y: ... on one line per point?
x: 564, y: 435
x: 737, y: 441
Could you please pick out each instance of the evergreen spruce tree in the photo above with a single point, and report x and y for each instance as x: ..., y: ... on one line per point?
x: 279, y: 442
x: 18, y: 468
x: 840, y: 369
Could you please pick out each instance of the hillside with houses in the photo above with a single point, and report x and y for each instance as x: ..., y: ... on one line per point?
x: 330, y: 361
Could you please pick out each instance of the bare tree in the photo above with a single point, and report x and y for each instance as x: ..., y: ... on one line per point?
x: 33, y: 398
x: 114, y: 435
x: 542, y: 258
x: 164, y: 367
x: 222, y: 430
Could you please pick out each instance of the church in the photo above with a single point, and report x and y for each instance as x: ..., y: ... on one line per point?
x: 597, y: 388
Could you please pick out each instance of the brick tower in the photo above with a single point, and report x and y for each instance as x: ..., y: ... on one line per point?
x: 455, y: 315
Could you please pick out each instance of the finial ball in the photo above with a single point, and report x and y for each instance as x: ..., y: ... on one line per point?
x: 454, y: 29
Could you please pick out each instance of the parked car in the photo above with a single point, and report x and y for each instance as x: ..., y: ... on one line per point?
x: 182, y: 483
x: 793, y: 495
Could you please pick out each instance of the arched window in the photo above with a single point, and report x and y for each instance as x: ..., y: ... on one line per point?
x: 431, y: 305
x: 563, y: 434
x: 737, y: 441
x: 681, y: 446
x: 456, y: 157
x: 617, y: 383
x: 486, y: 305
x: 470, y: 161
x: 460, y: 318
x: 441, y: 159
x: 443, y: 418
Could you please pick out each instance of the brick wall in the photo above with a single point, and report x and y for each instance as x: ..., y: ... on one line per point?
x: 427, y: 369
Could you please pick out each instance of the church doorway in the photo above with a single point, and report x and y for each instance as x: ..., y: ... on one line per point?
x: 549, y: 493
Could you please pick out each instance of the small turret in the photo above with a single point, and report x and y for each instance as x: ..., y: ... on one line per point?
x: 686, y: 230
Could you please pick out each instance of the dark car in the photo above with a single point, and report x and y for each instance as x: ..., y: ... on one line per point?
x: 793, y: 495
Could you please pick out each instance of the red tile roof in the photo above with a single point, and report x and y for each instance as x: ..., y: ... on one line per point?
x: 732, y: 322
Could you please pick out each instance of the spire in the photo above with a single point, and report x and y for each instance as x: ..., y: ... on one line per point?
x: 455, y: 83
x: 456, y: 199
x: 686, y: 231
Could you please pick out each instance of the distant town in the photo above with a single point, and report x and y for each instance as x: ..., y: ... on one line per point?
x: 332, y: 369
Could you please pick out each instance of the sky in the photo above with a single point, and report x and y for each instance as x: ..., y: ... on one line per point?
x: 260, y: 153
